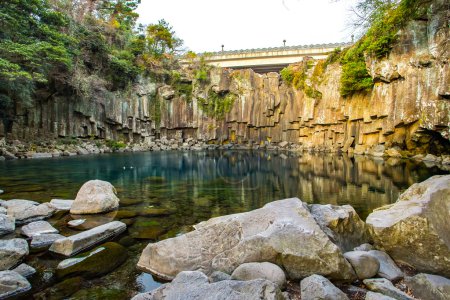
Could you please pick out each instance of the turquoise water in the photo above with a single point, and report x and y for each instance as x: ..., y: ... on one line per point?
x: 163, y: 193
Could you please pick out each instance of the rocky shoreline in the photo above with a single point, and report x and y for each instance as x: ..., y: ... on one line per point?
x: 285, y: 250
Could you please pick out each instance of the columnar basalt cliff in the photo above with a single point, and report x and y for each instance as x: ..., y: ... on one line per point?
x: 408, y: 107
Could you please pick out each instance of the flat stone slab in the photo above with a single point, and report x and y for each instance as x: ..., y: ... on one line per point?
x: 76, y: 243
x: 61, y: 204
x: 17, y: 202
x: 12, y: 252
x: 37, y: 228
x: 385, y: 287
x: 25, y: 211
x: 12, y: 284
x: 25, y: 270
x: 44, y: 240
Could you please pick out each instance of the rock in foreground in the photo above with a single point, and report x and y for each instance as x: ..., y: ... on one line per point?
x: 427, y: 286
x: 415, y: 229
x: 264, y: 270
x: 25, y: 211
x: 7, y: 224
x: 195, y: 285
x: 95, y: 196
x: 282, y: 232
x: 318, y: 287
x: 37, y: 228
x: 12, y: 284
x: 12, y: 252
x: 76, y: 243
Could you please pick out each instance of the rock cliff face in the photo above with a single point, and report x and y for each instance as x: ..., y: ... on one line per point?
x: 409, y: 106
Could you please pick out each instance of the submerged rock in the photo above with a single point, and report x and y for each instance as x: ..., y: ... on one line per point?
x: 415, y: 229
x: 12, y: 284
x: 427, y: 286
x: 61, y: 290
x: 95, y: 196
x: 282, y: 232
x: 12, y: 252
x: 342, y: 224
x: 195, y: 285
x: 94, y: 263
x: 76, y: 243
x: 7, y: 224
x: 318, y: 287
x: 75, y: 223
x: 364, y: 264
x: 263, y: 270
x: 43, y: 241
x: 37, y: 228
x: 385, y: 287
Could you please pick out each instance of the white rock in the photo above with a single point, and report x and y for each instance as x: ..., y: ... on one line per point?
x: 61, y: 204
x: 318, y: 287
x: 263, y: 270
x: 37, y: 228
x: 95, y: 196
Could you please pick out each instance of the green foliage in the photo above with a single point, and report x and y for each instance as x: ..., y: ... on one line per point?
x: 182, y: 88
x: 297, y: 76
x: 115, y: 145
x: 218, y: 104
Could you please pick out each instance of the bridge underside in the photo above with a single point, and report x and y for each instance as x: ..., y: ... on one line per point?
x: 262, y: 69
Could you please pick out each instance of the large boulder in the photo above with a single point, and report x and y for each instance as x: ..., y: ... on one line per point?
x: 25, y: 211
x: 94, y: 263
x: 427, y: 286
x: 318, y: 287
x: 7, y: 224
x: 414, y: 230
x: 12, y: 284
x: 74, y: 244
x: 190, y: 285
x: 12, y: 252
x: 95, y: 196
x: 264, y: 270
x: 342, y: 224
x: 282, y: 232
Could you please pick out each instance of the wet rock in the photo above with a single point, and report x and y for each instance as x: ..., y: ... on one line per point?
x: 94, y: 220
x: 8, y: 155
x: 385, y: 287
x: 61, y: 204
x: 61, y: 290
x: 44, y: 241
x: 263, y: 270
x: 12, y: 252
x: 418, y: 218
x: 94, y: 263
x: 427, y: 286
x: 195, y: 285
x: 147, y: 228
x: 100, y: 293
x: 37, y: 228
x: 318, y: 287
x: 342, y: 225
x: 364, y: 247
x: 388, y: 268
x: 377, y: 296
x: 12, y: 284
x: 76, y: 243
x: 25, y: 270
x: 282, y: 232
x: 217, y: 276
x: 75, y: 223
x: 95, y: 196
x: 364, y: 264
x: 7, y: 224
x: 17, y: 202
x: 26, y: 212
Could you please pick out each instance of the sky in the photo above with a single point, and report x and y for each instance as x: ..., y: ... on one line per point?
x: 205, y: 25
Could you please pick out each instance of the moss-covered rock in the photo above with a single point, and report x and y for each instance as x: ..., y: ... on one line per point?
x: 94, y: 263
x: 98, y: 293
x: 61, y: 290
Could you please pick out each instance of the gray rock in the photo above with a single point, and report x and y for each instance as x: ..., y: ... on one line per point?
x: 44, y: 240
x: 2, y: 158
x: 318, y: 287
x: 8, y: 155
x: 418, y: 218
x: 364, y: 264
x: 194, y: 285
x: 25, y: 270
x: 342, y: 224
x: 12, y: 252
x: 427, y: 286
x: 25, y: 211
x: 37, y: 228
x: 283, y: 144
x: 75, y: 223
x: 217, y: 276
x: 95, y: 196
x: 76, y: 243
x: 61, y: 204
x: 17, y: 202
x: 3, y: 211
x: 1, y: 192
x: 388, y: 268
x: 263, y: 270
x: 377, y: 296
x: 385, y: 287
x: 41, y: 155
x: 431, y: 158
x: 364, y: 247
x: 7, y: 224
x: 12, y: 284
x: 282, y: 232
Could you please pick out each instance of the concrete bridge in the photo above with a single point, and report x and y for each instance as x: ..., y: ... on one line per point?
x: 270, y: 59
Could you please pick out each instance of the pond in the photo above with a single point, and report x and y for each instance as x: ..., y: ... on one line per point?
x: 163, y: 193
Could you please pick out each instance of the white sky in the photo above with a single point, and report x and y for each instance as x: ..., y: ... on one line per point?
x: 205, y: 25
